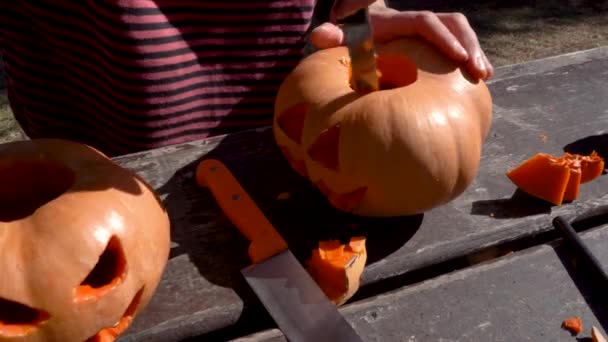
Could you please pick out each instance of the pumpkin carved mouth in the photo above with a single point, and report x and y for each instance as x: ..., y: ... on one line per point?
x: 17, y: 319
x: 111, y: 333
x: 27, y: 187
x: 107, y: 274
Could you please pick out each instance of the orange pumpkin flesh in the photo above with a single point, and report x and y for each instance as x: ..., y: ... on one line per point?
x: 412, y: 146
x: 556, y: 179
x: 337, y: 268
x: 83, y: 243
x: 591, y: 166
x: 542, y: 176
x: 574, y: 185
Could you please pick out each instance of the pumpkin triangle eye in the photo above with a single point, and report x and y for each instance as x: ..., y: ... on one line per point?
x: 325, y: 149
x: 291, y: 121
x: 17, y: 319
x: 107, y: 274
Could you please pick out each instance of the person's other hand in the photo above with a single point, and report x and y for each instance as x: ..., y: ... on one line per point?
x: 450, y: 32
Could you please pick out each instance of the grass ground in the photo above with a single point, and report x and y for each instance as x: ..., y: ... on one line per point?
x: 510, y: 31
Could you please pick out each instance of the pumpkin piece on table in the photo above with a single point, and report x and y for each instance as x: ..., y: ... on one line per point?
x: 556, y: 179
x: 83, y: 243
x: 574, y: 184
x: 592, y: 166
x: 337, y: 268
x: 573, y: 324
x: 405, y: 149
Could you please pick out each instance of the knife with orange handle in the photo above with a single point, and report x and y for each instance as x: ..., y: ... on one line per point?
x: 294, y: 300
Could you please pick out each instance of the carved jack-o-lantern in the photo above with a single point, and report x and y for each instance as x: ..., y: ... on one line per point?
x: 83, y: 243
x: 405, y: 149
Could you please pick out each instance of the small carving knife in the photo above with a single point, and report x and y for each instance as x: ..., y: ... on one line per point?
x: 360, y: 43
x: 294, y: 300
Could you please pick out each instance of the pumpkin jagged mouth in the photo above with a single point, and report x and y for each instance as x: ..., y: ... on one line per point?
x: 111, y: 333
x: 18, y: 320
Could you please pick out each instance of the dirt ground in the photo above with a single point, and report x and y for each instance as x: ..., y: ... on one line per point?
x: 515, y: 31
x: 510, y: 32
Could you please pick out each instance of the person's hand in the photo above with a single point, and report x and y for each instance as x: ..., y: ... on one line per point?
x: 450, y: 32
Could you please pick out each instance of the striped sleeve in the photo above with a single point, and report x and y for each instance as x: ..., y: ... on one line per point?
x: 128, y: 75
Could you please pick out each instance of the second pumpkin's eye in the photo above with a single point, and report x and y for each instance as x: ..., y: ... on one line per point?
x: 106, y: 275
x: 17, y: 319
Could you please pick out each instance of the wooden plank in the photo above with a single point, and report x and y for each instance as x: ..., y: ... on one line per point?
x: 202, y: 290
x: 521, y: 297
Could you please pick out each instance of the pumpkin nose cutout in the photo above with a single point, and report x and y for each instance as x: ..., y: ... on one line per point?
x: 17, y: 319
x: 28, y: 185
x: 107, y: 274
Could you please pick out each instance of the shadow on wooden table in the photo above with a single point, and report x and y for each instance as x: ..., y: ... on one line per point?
x: 520, y: 204
x: 297, y: 210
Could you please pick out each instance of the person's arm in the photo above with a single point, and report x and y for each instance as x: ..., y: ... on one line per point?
x: 450, y: 32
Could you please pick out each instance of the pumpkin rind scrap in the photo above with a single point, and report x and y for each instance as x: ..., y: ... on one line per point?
x: 337, y: 268
x: 542, y: 176
x: 83, y: 243
x: 414, y: 145
x: 556, y: 179
x: 591, y: 166
x: 574, y: 185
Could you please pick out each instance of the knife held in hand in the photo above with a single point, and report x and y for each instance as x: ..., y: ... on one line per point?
x: 360, y: 43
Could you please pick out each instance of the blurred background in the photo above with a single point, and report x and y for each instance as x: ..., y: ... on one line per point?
x: 510, y: 31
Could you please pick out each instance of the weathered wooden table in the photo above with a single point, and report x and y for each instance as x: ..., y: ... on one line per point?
x: 488, y: 266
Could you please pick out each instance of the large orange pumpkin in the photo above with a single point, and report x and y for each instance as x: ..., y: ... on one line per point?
x: 405, y: 149
x: 83, y: 243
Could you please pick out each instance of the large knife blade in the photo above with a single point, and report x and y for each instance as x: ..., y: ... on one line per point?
x: 294, y: 300
x: 359, y: 41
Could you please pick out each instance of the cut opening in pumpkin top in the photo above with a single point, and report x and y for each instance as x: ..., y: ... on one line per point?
x: 394, y: 71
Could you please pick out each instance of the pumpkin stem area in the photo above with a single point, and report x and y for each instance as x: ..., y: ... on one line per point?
x: 394, y: 71
x: 28, y: 185
x: 17, y: 319
x: 106, y: 275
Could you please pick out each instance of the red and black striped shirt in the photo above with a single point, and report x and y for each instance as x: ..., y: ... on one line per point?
x: 130, y: 75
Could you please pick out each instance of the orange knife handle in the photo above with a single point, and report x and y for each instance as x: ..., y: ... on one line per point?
x: 242, y: 211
